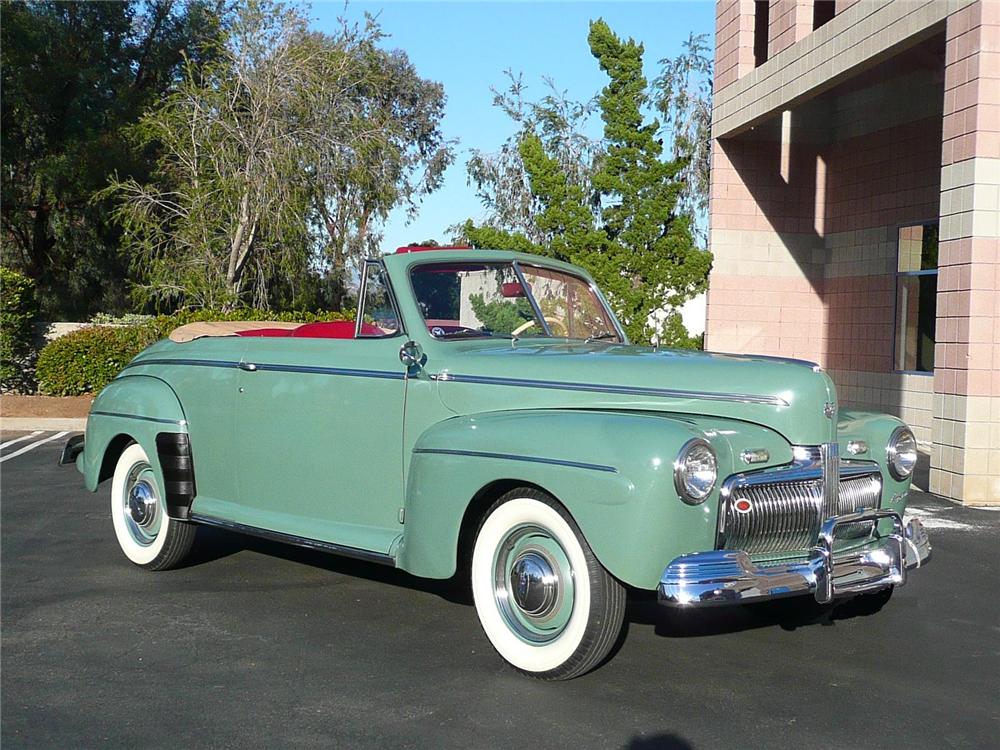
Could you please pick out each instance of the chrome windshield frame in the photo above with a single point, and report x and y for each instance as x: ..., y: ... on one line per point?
x: 517, y: 266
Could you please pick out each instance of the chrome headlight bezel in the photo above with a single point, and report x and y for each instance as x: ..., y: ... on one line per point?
x: 897, y: 459
x: 694, y: 492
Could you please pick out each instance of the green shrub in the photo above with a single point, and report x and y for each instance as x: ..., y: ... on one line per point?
x: 17, y: 311
x: 86, y: 360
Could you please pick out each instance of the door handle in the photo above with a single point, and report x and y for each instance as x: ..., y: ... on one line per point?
x: 248, y: 366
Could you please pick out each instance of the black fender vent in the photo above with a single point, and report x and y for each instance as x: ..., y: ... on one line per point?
x: 174, y: 451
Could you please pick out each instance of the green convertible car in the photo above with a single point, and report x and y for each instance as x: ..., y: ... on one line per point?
x: 486, y: 416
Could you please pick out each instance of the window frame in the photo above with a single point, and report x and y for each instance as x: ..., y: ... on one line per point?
x: 897, y: 274
x: 362, y: 299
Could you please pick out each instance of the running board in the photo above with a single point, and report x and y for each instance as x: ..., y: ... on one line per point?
x: 297, y: 541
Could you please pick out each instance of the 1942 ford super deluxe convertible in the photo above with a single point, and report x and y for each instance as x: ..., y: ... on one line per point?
x: 486, y: 415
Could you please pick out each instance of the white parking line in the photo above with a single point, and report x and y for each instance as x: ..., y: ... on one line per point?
x: 36, y: 433
x: 27, y: 448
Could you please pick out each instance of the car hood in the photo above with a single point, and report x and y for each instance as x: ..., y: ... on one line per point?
x: 791, y: 396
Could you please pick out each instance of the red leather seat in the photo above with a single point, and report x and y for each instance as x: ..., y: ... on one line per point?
x: 333, y: 329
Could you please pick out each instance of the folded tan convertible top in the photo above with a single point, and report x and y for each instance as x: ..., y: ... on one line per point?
x: 193, y: 331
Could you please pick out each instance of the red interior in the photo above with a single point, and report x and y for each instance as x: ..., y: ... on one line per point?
x: 334, y: 329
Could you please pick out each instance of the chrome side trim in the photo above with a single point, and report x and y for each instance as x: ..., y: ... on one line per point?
x: 515, y: 457
x: 190, y: 362
x: 623, y: 390
x: 178, y: 422
x: 298, y: 541
x: 344, y: 371
x: 723, y: 577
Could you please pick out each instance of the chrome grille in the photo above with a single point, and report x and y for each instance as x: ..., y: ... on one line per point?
x: 785, y: 516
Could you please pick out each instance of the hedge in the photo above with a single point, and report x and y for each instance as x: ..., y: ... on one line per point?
x: 17, y: 311
x: 86, y: 360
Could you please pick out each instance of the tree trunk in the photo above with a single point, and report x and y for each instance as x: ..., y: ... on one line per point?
x: 240, y: 247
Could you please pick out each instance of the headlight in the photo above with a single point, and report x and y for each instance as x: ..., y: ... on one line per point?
x: 902, y: 452
x: 695, y: 471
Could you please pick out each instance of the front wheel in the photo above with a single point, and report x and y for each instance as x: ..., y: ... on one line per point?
x: 548, y: 606
x: 147, y: 536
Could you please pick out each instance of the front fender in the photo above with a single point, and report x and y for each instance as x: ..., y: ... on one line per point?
x: 132, y: 407
x: 875, y: 429
x: 611, y: 470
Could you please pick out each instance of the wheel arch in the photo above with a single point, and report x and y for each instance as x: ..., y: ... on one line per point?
x: 145, y: 410
x: 613, y: 478
x: 475, y: 512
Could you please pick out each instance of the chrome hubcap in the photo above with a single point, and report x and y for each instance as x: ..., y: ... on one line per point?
x: 533, y: 584
x: 141, y: 505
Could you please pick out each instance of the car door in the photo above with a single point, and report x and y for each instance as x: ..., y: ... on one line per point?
x: 319, y: 430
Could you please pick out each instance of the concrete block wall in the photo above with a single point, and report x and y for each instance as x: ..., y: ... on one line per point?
x: 965, y: 462
x: 788, y: 22
x: 805, y: 226
x: 733, y: 41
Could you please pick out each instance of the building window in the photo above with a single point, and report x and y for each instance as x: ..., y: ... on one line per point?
x: 762, y: 9
x: 823, y: 11
x: 916, y: 297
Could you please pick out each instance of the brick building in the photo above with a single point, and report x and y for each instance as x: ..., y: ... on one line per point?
x: 855, y: 213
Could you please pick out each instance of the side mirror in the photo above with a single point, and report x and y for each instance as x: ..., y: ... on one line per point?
x: 412, y: 356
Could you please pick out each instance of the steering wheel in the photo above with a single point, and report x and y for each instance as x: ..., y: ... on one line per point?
x: 552, y: 323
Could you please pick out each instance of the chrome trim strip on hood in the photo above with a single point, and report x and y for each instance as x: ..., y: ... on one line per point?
x: 624, y: 390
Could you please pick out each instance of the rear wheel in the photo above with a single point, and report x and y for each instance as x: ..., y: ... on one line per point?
x: 147, y: 536
x: 548, y: 606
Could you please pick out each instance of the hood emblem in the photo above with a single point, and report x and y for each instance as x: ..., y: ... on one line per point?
x: 829, y: 409
x: 743, y: 505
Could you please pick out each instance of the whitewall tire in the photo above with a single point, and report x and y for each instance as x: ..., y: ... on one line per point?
x: 147, y: 536
x: 548, y: 606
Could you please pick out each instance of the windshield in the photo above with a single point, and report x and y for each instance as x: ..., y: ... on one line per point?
x: 468, y: 300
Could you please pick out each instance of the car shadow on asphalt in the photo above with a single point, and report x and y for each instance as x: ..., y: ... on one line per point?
x: 788, y: 614
x: 214, y: 544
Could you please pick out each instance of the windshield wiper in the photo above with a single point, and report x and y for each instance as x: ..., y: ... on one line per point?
x: 472, y: 334
x: 601, y: 337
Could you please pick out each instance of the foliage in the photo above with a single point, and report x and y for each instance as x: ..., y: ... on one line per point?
x: 501, y: 180
x: 398, y: 156
x: 502, y: 316
x: 223, y: 212
x: 86, y: 360
x: 682, y: 94
x: 73, y: 74
x: 17, y: 311
x: 622, y: 222
x: 281, y: 155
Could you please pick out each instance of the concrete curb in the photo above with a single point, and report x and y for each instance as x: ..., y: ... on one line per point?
x: 11, y: 424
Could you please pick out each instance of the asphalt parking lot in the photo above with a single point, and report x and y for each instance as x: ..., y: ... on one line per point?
x: 256, y: 644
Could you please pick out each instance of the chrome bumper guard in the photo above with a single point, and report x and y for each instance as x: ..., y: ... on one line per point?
x: 724, y: 577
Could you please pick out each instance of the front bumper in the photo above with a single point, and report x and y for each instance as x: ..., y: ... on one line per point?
x: 729, y: 576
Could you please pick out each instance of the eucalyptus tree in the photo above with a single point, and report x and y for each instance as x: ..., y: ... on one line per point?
x: 400, y: 158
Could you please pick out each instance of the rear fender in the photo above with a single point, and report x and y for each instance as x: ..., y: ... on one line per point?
x: 145, y: 410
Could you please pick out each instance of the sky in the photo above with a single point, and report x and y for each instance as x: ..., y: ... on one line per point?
x: 466, y: 46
